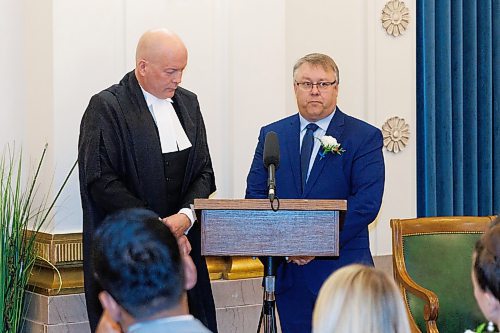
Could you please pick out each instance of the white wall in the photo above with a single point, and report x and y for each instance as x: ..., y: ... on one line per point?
x: 12, y: 80
x: 391, y: 91
x: 241, y: 55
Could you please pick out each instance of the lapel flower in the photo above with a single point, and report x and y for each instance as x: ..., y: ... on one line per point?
x: 330, y: 145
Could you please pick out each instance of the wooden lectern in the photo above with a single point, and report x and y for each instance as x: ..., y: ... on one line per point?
x: 249, y: 227
x: 252, y: 228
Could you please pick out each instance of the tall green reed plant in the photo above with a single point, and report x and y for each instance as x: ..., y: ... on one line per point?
x: 22, y: 214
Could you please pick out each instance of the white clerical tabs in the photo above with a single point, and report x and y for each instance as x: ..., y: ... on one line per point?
x: 180, y: 135
x: 172, y: 136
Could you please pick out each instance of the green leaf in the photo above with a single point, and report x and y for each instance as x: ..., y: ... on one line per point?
x: 23, y: 212
x: 480, y: 328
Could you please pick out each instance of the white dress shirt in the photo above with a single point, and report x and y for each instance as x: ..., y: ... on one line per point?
x: 318, y: 134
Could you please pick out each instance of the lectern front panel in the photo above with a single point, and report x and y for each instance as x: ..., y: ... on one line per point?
x: 269, y: 233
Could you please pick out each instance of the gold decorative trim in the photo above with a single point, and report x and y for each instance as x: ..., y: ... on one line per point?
x: 217, y: 266
x: 65, y: 252
x: 60, y: 249
x: 45, y: 280
x: 441, y: 233
x: 243, y: 268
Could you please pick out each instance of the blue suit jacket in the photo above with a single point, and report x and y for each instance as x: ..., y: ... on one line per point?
x: 357, y: 176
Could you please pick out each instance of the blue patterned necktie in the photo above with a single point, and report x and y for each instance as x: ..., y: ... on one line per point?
x: 306, y: 151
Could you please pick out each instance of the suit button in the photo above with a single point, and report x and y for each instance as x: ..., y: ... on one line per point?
x: 167, y: 163
x: 168, y: 179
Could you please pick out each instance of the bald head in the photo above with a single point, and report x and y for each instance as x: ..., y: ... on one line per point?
x: 157, y: 43
x: 161, y: 56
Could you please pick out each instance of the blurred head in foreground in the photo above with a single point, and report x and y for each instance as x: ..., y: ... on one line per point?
x: 359, y: 298
x: 486, y: 272
x: 138, y: 263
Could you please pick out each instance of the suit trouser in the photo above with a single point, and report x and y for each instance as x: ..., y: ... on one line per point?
x: 295, y: 306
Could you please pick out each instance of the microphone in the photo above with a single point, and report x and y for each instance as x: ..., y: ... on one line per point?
x: 271, y: 161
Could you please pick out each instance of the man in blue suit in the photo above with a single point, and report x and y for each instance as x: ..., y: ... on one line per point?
x: 352, y: 169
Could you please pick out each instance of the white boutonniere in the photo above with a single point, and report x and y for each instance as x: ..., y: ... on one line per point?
x: 330, y: 145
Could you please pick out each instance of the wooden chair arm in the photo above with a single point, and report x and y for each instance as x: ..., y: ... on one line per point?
x: 431, y: 306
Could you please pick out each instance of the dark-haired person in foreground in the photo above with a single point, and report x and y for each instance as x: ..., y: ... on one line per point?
x: 486, y: 272
x: 144, y: 272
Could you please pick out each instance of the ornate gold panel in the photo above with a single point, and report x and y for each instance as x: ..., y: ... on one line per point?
x: 63, y: 253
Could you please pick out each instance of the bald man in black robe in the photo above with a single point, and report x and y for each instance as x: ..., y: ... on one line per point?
x: 122, y: 163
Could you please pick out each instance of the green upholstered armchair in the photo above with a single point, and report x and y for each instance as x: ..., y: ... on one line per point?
x: 432, y: 264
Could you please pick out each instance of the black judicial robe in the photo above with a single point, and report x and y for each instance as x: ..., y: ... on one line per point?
x: 119, y: 151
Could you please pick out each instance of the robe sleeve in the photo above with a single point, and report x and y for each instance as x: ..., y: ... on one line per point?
x: 101, y: 155
x: 109, y: 191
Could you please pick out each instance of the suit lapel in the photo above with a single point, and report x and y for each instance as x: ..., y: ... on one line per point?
x: 293, y: 146
x: 335, y: 129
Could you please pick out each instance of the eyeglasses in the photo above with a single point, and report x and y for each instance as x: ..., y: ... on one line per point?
x: 322, y: 86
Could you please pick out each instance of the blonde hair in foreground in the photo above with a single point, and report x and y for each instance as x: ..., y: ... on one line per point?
x: 359, y: 298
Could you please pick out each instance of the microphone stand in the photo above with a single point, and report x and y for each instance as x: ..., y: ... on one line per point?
x: 271, y: 161
x: 268, y: 313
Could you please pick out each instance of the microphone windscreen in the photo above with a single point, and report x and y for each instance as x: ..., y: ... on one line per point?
x: 271, y: 150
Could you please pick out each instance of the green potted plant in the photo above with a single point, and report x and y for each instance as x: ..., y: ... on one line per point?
x: 23, y: 212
